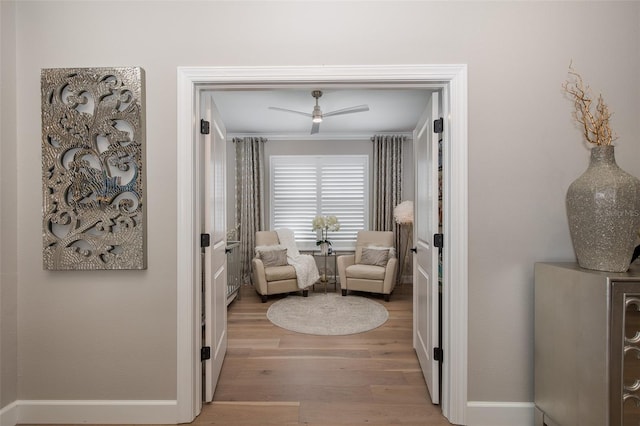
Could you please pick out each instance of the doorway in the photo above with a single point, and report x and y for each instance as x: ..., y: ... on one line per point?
x: 452, y: 79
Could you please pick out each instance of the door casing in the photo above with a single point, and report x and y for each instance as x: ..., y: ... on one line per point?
x: 452, y: 79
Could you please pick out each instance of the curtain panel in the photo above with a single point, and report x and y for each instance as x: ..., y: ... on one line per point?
x: 249, y: 197
x: 387, y: 182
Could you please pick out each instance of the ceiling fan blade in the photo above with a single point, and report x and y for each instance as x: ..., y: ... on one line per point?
x: 315, y: 128
x: 359, y: 108
x: 306, y: 114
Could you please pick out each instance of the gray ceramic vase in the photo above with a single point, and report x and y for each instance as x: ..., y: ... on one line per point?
x: 603, y: 208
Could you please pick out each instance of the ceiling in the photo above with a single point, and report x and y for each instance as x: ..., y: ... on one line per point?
x: 246, y: 112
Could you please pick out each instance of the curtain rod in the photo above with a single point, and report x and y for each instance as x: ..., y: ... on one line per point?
x: 260, y: 139
x: 374, y: 137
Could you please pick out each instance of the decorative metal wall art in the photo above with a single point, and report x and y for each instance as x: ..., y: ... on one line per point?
x: 93, y: 142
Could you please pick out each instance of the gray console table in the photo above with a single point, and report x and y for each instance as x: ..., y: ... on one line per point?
x: 587, y: 346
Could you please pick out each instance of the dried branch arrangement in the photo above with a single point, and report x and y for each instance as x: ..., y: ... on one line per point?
x: 595, y: 125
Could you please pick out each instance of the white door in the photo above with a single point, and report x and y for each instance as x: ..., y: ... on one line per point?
x: 425, y: 270
x: 214, y: 275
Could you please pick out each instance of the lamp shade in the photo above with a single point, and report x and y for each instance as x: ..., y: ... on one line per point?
x: 403, y: 212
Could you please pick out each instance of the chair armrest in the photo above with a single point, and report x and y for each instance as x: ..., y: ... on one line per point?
x: 259, y: 277
x: 343, y: 262
x: 390, y: 275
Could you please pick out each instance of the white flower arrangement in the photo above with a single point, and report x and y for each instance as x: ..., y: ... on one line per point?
x: 325, y: 224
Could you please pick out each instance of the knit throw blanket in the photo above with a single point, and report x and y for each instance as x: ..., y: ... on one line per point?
x: 305, y: 265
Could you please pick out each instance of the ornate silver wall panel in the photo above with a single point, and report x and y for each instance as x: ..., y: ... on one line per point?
x: 93, y: 141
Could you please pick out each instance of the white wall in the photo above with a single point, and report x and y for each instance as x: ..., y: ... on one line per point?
x: 112, y: 334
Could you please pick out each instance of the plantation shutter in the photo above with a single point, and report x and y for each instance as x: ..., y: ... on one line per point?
x: 305, y: 186
x: 294, y: 196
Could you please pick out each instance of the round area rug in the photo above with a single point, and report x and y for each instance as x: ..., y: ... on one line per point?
x: 327, y: 314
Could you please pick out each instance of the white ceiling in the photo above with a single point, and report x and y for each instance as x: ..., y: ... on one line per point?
x: 245, y: 112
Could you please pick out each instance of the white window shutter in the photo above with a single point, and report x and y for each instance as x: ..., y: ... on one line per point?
x: 305, y: 186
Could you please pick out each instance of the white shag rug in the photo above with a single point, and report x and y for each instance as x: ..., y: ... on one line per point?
x: 327, y: 314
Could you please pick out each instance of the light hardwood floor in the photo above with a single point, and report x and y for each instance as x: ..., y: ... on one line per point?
x: 272, y: 376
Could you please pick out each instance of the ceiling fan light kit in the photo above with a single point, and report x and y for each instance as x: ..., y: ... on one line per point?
x: 317, y: 116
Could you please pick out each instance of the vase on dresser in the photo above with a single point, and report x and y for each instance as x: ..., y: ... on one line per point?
x: 603, y: 210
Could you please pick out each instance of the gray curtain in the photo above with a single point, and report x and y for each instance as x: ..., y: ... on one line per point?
x: 387, y: 182
x: 249, y: 197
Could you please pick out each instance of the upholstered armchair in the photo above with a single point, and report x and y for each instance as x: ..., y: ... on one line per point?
x: 271, y: 273
x: 373, y: 266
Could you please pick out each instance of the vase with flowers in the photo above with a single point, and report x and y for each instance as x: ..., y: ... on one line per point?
x: 324, y: 224
x: 603, y: 204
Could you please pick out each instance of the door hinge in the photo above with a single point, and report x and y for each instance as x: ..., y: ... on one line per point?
x: 438, y: 240
x: 205, y: 353
x: 205, y: 126
x: 205, y: 240
x: 438, y: 125
x: 438, y: 354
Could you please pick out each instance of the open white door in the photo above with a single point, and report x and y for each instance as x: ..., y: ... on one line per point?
x: 214, y: 272
x: 425, y: 270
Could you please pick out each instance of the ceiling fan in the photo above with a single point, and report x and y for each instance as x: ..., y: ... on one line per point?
x: 317, y: 115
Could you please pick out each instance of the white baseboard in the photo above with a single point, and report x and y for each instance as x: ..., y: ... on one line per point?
x: 9, y: 415
x: 489, y: 413
x: 96, y: 412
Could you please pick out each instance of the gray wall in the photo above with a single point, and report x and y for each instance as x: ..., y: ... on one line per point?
x: 8, y: 203
x: 113, y: 334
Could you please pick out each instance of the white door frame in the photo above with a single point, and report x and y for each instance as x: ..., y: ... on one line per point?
x: 192, y: 80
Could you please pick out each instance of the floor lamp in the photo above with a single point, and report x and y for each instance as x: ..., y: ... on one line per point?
x: 403, y: 215
x: 408, y: 241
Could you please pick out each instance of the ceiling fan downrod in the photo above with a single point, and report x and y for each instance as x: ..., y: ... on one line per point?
x: 316, y: 115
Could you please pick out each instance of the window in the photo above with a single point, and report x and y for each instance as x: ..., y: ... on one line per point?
x: 303, y: 186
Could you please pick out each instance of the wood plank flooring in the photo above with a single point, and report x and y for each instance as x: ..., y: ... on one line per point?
x: 272, y: 376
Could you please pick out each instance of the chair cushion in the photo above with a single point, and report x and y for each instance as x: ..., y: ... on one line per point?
x: 368, y: 272
x: 377, y: 256
x: 372, y: 238
x: 279, y: 273
x: 273, y: 257
x: 269, y: 247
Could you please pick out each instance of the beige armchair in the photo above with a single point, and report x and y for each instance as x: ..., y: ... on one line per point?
x: 276, y: 279
x: 373, y: 266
